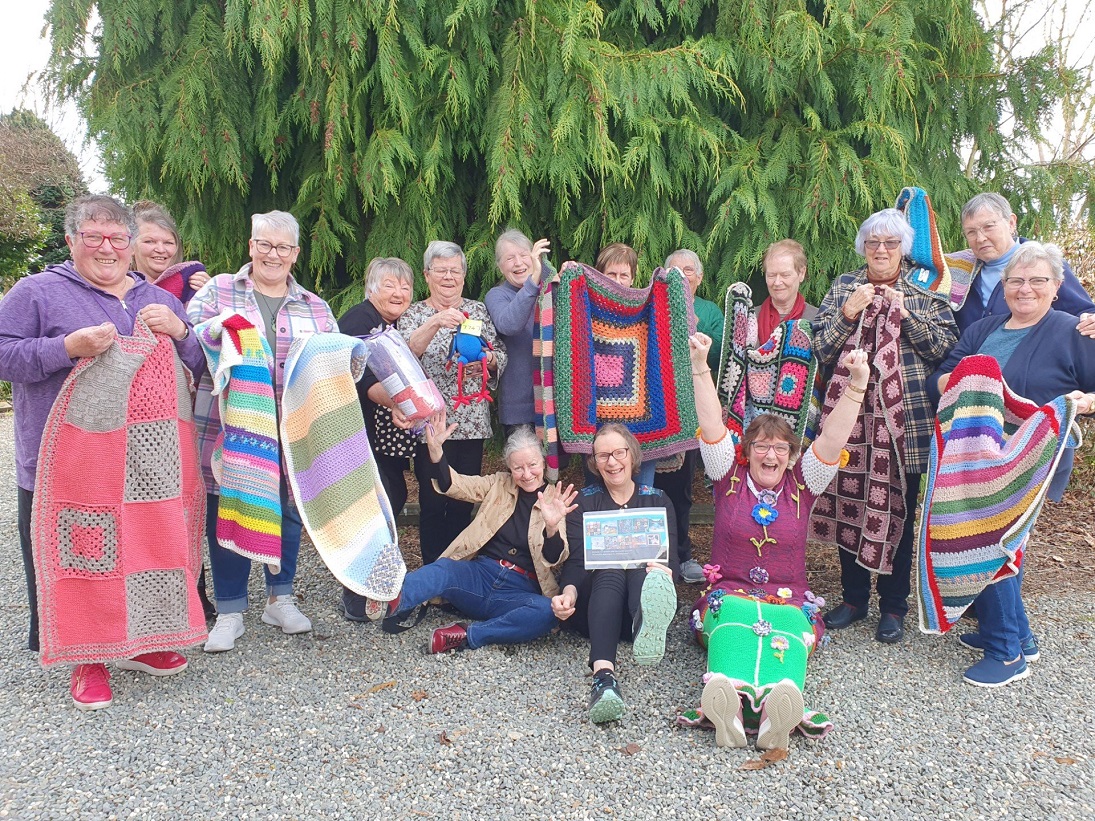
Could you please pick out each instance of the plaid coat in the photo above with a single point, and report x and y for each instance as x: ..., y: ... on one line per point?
x: 927, y: 336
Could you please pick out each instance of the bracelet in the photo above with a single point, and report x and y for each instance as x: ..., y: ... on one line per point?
x: 854, y: 389
x: 186, y: 334
x: 701, y: 373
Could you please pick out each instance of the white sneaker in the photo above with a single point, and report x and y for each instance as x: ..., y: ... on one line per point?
x: 283, y: 613
x: 222, y: 637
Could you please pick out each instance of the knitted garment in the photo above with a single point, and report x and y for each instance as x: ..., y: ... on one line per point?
x: 401, y: 376
x: 246, y: 460
x: 176, y: 279
x: 780, y: 376
x: 931, y: 271
x: 335, y: 479
x: 962, y: 265
x: 992, y: 458
x: 863, y: 511
x: 119, y: 508
x: 626, y: 360
x: 543, y: 375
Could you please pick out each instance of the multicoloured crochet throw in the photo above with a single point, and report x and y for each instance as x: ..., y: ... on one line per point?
x: 863, y: 511
x: 119, y: 507
x: 626, y: 360
x: 992, y: 458
x: 962, y: 265
x: 247, y: 460
x: 330, y: 465
x: 932, y: 271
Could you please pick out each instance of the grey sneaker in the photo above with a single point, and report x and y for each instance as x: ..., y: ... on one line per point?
x: 283, y: 613
x: 692, y: 572
x: 222, y: 637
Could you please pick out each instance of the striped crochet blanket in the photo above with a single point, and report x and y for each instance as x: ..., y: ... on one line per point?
x: 246, y: 461
x: 330, y: 465
x: 947, y: 276
x: 626, y: 360
x: 992, y: 457
x: 119, y: 507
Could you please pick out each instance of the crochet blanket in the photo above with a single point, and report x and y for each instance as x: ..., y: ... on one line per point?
x: 246, y: 460
x: 992, y: 458
x: 863, y: 510
x: 330, y: 465
x: 627, y: 361
x: 780, y: 376
x: 119, y: 507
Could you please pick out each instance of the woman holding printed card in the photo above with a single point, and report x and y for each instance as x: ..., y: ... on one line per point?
x: 635, y: 599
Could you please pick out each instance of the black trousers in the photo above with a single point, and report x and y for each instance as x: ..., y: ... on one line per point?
x: 607, y: 604
x: 440, y: 518
x: 677, y: 485
x: 23, y: 506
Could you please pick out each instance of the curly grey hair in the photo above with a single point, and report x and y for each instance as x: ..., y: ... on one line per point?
x: 441, y: 249
x: 889, y: 222
x: 987, y: 201
x: 97, y: 208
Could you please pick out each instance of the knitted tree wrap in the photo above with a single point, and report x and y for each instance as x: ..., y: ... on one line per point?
x: 119, y: 507
x: 330, y: 465
x: 993, y: 455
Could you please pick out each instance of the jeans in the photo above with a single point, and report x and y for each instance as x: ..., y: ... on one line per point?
x: 441, y: 519
x: 23, y: 506
x: 1002, y: 619
x: 230, y: 570
x: 1059, y: 481
x: 508, y: 605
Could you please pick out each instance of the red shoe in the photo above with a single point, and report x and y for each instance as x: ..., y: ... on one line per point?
x: 163, y: 663
x: 90, y: 687
x: 452, y: 637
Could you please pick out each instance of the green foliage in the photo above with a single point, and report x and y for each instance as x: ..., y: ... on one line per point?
x: 22, y: 235
x: 383, y: 124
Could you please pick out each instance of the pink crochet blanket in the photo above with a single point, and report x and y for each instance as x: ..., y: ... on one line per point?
x: 119, y: 508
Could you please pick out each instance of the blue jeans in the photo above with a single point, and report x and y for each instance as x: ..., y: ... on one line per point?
x: 231, y: 570
x: 1059, y: 482
x: 1002, y: 619
x: 509, y: 605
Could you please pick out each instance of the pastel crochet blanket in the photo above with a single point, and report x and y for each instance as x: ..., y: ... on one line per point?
x: 119, y: 507
x: 330, y: 465
x: 616, y: 355
x: 993, y: 455
x: 246, y: 459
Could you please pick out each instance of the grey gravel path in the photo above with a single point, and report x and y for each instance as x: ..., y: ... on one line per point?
x: 290, y: 727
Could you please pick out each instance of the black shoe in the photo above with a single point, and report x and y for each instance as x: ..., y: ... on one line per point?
x: 844, y: 615
x: 891, y: 628
x: 353, y: 606
x: 605, y: 702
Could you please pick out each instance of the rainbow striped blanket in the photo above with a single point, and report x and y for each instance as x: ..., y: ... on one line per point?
x: 626, y: 360
x: 330, y: 465
x: 992, y: 457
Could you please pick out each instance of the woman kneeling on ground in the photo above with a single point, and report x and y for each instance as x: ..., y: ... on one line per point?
x: 758, y: 619
x: 499, y: 569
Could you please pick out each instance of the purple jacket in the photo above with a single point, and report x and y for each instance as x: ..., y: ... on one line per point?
x: 35, y: 317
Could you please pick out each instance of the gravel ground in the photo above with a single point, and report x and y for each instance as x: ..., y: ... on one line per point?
x: 349, y: 723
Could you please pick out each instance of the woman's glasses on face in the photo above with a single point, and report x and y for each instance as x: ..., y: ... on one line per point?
x: 264, y: 247
x: 781, y: 448
x: 890, y: 244
x: 1015, y: 283
x: 119, y: 242
x: 619, y: 455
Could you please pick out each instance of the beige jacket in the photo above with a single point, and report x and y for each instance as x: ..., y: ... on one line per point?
x: 497, y: 495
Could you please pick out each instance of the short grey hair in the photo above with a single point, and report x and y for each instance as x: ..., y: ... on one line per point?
x: 155, y: 214
x: 381, y: 267
x: 513, y: 237
x: 278, y: 221
x: 523, y: 438
x: 1031, y: 253
x: 889, y: 222
x: 691, y: 256
x: 97, y: 208
x: 987, y: 201
x: 441, y: 249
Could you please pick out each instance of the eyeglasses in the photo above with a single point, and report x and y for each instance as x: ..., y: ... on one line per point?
x: 455, y: 273
x: 873, y: 244
x: 619, y: 455
x: 781, y: 448
x: 1015, y: 283
x: 119, y: 242
x: 975, y: 231
x: 264, y: 247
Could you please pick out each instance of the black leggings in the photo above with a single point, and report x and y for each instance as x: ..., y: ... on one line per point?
x: 610, y: 601
x: 441, y: 519
x: 24, y: 505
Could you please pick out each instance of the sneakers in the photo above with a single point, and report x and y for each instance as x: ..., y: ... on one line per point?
x: 222, y: 637
x: 450, y: 637
x: 377, y: 610
x: 843, y: 616
x: 990, y: 672
x: 605, y: 702
x: 722, y: 707
x: 780, y: 712
x: 164, y: 663
x: 283, y: 613
x: 657, y: 606
x: 90, y: 687
x: 973, y: 641
x: 692, y: 572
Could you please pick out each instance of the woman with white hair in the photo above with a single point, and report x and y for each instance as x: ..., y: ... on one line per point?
x: 265, y: 292
x: 907, y: 333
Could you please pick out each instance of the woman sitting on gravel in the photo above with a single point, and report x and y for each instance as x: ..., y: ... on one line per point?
x: 499, y: 570
x: 757, y: 619
x: 637, y: 603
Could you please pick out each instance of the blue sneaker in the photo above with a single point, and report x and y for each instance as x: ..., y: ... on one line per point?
x: 973, y: 641
x: 994, y: 673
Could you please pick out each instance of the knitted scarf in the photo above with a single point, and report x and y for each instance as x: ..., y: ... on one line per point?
x: 993, y: 455
x: 932, y: 271
x: 627, y: 360
x: 768, y: 318
x: 119, y: 507
x: 863, y: 511
x: 335, y: 479
x: 246, y: 461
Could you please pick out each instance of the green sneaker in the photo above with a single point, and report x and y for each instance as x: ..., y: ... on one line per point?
x: 657, y: 607
x: 605, y: 701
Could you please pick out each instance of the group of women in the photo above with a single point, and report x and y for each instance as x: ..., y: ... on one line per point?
x: 517, y: 569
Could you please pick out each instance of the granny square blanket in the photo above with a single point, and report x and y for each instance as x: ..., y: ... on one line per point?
x: 119, y: 507
x: 993, y: 455
x: 330, y: 465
